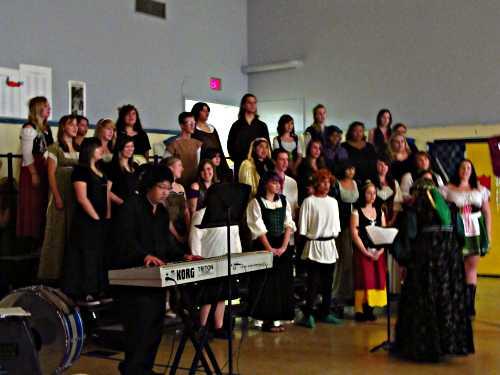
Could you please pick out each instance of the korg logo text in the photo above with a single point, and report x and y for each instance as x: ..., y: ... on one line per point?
x: 186, y: 273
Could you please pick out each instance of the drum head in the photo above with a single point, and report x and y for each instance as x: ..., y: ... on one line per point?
x: 56, y: 326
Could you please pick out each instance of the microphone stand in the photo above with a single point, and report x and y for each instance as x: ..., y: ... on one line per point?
x: 229, y: 302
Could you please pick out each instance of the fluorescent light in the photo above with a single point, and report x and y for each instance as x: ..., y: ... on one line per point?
x: 261, y: 68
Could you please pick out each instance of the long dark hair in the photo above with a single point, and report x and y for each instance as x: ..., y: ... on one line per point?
x: 350, y: 130
x: 388, y: 177
x: 241, y: 113
x: 122, y: 112
x: 378, y: 137
x: 120, y: 145
x: 60, y: 133
x: 197, y: 108
x: 201, y: 166
x: 455, y: 179
x: 87, y: 149
x: 285, y: 119
x: 379, y: 118
x: 343, y: 166
x: 321, y: 160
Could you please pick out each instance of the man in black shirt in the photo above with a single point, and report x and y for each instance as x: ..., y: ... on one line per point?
x: 142, y: 238
x: 244, y: 131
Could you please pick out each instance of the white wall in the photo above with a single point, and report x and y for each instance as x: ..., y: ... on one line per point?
x: 130, y: 58
x: 430, y: 62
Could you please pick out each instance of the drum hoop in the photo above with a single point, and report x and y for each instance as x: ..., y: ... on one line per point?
x: 68, y: 315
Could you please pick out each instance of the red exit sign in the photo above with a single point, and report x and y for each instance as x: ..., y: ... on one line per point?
x: 215, y: 83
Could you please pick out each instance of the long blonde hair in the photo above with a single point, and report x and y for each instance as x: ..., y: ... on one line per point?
x: 35, y: 106
x: 101, y: 125
x: 390, y: 152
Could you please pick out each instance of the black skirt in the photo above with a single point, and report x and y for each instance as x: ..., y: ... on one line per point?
x: 270, y: 291
x: 216, y: 290
x: 84, y: 271
x: 432, y: 319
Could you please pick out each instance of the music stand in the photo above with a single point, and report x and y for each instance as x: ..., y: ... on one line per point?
x: 384, y: 237
x: 225, y: 206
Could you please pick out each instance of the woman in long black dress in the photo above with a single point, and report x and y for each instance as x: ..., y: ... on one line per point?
x: 207, y: 134
x: 122, y: 171
x: 361, y: 153
x: 432, y: 319
x: 129, y: 124
x: 269, y: 218
x: 84, y: 273
x: 379, y: 136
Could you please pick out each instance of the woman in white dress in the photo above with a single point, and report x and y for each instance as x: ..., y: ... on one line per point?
x: 472, y: 199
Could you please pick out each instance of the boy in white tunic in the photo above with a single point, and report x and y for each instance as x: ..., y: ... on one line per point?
x: 319, y: 223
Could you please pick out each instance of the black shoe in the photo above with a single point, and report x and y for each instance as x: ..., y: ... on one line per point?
x: 368, y: 312
x: 371, y: 317
x: 359, y: 317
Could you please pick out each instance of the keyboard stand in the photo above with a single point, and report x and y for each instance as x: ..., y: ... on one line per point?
x: 200, y: 343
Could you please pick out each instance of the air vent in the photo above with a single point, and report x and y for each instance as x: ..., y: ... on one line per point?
x: 152, y: 8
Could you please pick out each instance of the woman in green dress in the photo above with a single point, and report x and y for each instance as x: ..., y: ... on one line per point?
x: 62, y: 156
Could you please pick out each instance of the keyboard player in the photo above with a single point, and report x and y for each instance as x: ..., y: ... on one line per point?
x: 142, y: 238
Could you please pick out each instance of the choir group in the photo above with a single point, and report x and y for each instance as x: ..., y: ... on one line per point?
x: 91, y: 203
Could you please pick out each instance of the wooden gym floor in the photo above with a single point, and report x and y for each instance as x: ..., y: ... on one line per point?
x: 335, y: 349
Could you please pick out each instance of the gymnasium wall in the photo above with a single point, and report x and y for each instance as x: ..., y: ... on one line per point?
x: 430, y: 62
x: 126, y: 57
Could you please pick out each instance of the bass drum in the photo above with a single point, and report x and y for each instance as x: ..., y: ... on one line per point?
x: 56, y: 325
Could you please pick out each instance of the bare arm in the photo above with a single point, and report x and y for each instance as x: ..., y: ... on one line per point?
x: 193, y: 202
x: 265, y: 242
x: 108, y: 200
x: 116, y: 199
x: 383, y: 221
x: 485, y: 209
x: 286, y: 240
x: 82, y: 199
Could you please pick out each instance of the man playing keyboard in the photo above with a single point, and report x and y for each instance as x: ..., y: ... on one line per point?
x: 142, y: 238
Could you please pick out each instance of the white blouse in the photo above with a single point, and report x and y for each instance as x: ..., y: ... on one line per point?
x: 28, y: 135
x: 386, y: 192
x: 211, y: 242
x: 288, y: 146
x: 291, y: 193
x: 474, y: 197
x: 319, y: 217
x: 254, y: 216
